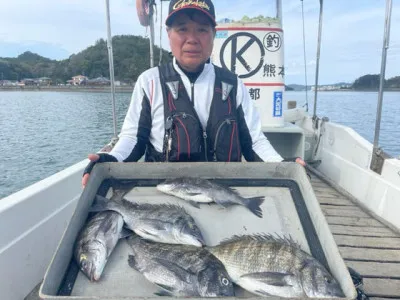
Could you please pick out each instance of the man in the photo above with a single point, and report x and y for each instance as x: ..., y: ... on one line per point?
x: 190, y: 110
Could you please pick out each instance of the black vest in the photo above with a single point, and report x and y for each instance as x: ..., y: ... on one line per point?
x: 184, y: 137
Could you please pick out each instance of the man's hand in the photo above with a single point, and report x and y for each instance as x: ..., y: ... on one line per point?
x: 300, y: 161
x: 296, y: 159
x: 95, y: 158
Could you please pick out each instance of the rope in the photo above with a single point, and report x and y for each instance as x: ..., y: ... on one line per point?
x: 161, y: 18
x: 305, y: 59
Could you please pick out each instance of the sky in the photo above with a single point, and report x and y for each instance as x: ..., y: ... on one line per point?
x: 351, y: 43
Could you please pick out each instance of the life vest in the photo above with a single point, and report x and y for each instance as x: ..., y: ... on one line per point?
x: 185, y: 139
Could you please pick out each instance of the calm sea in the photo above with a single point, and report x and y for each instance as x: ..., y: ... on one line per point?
x: 45, y: 132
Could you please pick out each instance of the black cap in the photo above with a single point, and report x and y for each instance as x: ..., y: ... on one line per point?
x: 204, y: 6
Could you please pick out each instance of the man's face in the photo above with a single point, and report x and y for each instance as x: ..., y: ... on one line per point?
x: 191, y: 37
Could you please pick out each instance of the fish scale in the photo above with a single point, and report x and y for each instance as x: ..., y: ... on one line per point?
x: 165, y: 223
x: 96, y: 240
x: 266, y: 265
x: 204, y: 191
x: 181, y: 270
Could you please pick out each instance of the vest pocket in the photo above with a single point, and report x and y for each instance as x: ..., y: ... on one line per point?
x: 226, y: 141
x: 184, y: 138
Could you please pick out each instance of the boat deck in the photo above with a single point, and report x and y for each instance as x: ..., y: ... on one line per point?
x: 368, y: 246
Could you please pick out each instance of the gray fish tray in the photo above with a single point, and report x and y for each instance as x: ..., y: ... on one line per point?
x: 290, y: 208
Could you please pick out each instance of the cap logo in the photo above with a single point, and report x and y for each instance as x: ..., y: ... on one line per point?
x: 184, y: 3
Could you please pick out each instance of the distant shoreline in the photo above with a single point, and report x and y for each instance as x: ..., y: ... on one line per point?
x: 90, y: 89
x: 347, y: 90
x: 129, y: 89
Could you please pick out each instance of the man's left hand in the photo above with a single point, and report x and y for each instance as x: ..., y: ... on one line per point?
x: 295, y: 159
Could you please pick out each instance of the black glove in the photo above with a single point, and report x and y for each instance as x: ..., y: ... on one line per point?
x: 104, y: 157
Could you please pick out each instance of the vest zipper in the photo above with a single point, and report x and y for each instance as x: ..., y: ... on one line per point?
x: 192, y: 85
x: 205, y: 144
x: 227, y: 121
x: 201, y: 126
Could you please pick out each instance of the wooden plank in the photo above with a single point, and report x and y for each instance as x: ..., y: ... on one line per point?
x: 344, y: 211
x: 353, y: 221
x: 362, y: 231
x: 375, y: 269
x: 316, y: 178
x: 372, y: 242
x: 319, y: 183
x: 329, y: 196
x: 326, y: 189
x: 370, y: 254
x: 334, y: 201
x: 382, y: 287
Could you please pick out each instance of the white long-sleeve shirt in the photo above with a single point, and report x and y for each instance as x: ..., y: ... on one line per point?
x: 144, y: 121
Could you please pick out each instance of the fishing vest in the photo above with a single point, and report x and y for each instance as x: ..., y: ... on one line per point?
x: 184, y: 137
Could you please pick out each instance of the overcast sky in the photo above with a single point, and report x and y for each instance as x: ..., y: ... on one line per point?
x: 352, y: 33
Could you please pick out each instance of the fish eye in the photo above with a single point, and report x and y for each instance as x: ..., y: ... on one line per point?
x: 225, y: 281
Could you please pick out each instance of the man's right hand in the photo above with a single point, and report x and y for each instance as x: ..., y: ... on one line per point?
x: 95, y: 158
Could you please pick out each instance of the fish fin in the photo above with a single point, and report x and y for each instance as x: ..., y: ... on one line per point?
x: 125, y: 233
x: 254, y: 204
x: 264, y: 293
x: 263, y: 237
x: 163, y: 293
x: 101, y: 203
x: 194, y: 203
x: 147, y: 235
x: 118, y: 195
x: 132, y: 262
x: 174, y: 268
x: 225, y: 203
x: 167, y: 290
x: 128, y: 204
x: 120, y: 189
x: 153, y: 223
x: 193, y: 194
x: 271, y: 278
x: 149, y: 206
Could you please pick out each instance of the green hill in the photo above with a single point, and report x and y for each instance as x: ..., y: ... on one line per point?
x: 371, y: 82
x: 131, y: 57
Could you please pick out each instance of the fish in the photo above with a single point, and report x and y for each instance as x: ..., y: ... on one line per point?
x: 96, y: 241
x: 268, y: 265
x: 204, y: 191
x: 180, y: 270
x: 163, y: 223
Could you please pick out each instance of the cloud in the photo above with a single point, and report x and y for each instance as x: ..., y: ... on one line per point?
x: 52, y: 51
x: 352, y: 32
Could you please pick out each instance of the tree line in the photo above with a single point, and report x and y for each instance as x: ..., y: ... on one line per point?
x: 371, y: 82
x: 131, y: 57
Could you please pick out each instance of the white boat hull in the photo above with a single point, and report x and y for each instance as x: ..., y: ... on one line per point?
x: 33, y: 220
x: 31, y: 225
x: 345, y: 159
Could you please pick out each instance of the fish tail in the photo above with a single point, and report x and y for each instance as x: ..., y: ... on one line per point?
x: 101, y: 203
x: 118, y: 195
x: 254, y: 204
